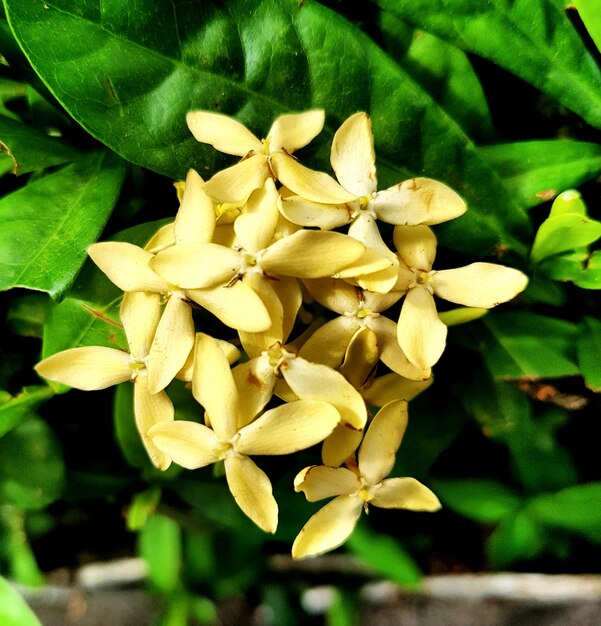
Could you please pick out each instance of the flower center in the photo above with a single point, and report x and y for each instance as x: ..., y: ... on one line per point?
x: 278, y: 357
x: 422, y: 278
x: 361, y: 206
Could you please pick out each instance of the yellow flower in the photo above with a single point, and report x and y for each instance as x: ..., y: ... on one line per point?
x: 234, y: 433
x: 359, y: 485
x: 420, y: 332
x: 95, y: 367
x: 235, y: 184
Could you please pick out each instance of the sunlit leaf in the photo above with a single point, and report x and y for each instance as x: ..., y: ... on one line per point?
x: 13, y: 609
x: 160, y: 546
x: 564, y: 232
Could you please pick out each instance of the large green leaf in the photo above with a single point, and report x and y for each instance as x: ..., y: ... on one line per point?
x: 13, y: 609
x: 527, y: 344
x: 31, y: 150
x: 48, y: 224
x: 535, y: 171
x: 534, y: 40
x: 588, y: 346
x: 32, y: 470
x: 129, y: 73
x: 15, y: 409
x: 160, y: 545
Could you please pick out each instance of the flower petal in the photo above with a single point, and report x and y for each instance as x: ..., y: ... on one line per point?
x: 236, y: 305
x: 479, y: 285
x: 151, y: 409
x: 307, y: 213
x: 307, y: 183
x: 311, y: 254
x: 420, y: 333
x: 234, y: 184
x: 418, y: 201
x: 361, y: 357
x: 328, y: 344
x: 390, y: 352
x: 335, y: 294
x: 172, y: 344
x: 163, y: 238
x: 189, y: 444
x: 255, y: 379
x: 288, y: 428
x: 195, y: 219
x: 382, y: 440
x: 295, y: 130
x: 314, y: 381
x: 197, y: 265
x: 405, y: 493
x: 222, y: 132
x: 329, y: 528
x: 340, y: 445
x: 252, y: 491
x: 127, y: 266
x: 416, y: 246
x: 256, y: 224
x: 319, y: 481
x: 385, y: 389
x: 88, y: 368
x: 214, y: 387
x: 140, y: 313
x: 352, y: 156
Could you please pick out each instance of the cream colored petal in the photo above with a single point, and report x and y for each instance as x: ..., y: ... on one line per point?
x: 311, y: 254
x: 255, y: 226
x: 252, y: 491
x: 127, y: 266
x: 329, y: 528
x: 377, y: 453
x: 232, y: 355
x: 314, y: 381
x: 328, y: 344
x: 197, y: 265
x: 255, y: 379
x: 416, y: 246
x: 195, y: 219
x: 378, y: 302
x: 234, y: 184
x: 150, y: 410
x: 405, y: 493
x: 293, y: 131
x: 140, y: 313
x: 214, y: 387
x: 288, y: 428
x: 390, y: 351
x: 88, y: 368
x: 362, y: 355
x: 336, y: 295
x: 385, y: 389
x: 189, y: 444
x: 222, y: 132
x: 290, y: 294
x: 420, y: 333
x: 479, y: 285
x: 307, y: 183
x: 163, y: 238
x: 237, y: 306
x: 172, y: 344
x: 340, y: 445
x: 307, y: 213
x: 319, y: 481
x: 283, y: 391
x: 352, y: 157
x: 418, y: 201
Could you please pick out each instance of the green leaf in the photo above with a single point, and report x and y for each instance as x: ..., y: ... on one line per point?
x: 536, y: 171
x: 569, y: 201
x: 528, y: 344
x: 32, y: 470
x: 385, y: 555
x: 13, y: 609
x: 129, y: 73
x: 516, y: 538
x: 564, y: 232
x: 16, y: 550
x: 565, y: 267
x: 126, y: 431
x: 588, y: 348
x: 27, y: 313
x: 15, y: 409
x: 142, y: 506
x: 575, y: 509
x: 443, y: 70
x: 590, y: 278
x: 534, y: 40
x: 591, y: 16
x: 160, y: 545
x: 29, y: 149
x: 485, y: 501
x: 48, y: 224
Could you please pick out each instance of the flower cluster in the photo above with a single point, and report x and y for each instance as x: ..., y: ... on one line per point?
x: 252, y: 246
